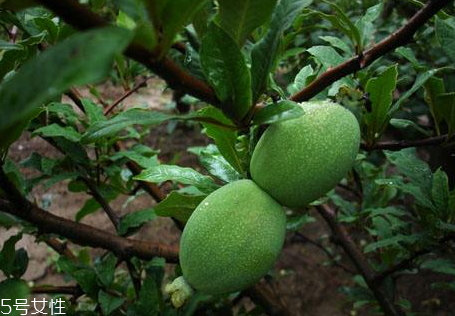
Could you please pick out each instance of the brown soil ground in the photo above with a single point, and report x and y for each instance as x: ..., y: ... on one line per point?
x: 307, y: 285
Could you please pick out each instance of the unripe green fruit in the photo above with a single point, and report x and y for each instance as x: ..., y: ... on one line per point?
x: 232, y: 238
x: 300, y: 160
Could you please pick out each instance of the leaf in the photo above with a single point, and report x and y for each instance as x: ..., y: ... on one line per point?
x: 225, y: 68
x: 326, y: 55
x: 445, y: 31
x: 265, y: 52
x: 439, y: 265
x: 395, y: 241
x: 7, y: 221
x: 434, y: 87
x: 175, y: 15
x: 446, y: 102
x: 12, y: 290
x: 440, y: 194
x: 109, y: 303
x: 179, y: 206
x: 142, y: 155
x: 365, y: 25
x: 337, y: 43
x: 241, y: 17
x: 71, y: 62
x: 346, y: 25
x: 412, y: 167
x: 224, y: 139
x: 13, y: 262
x: 135, y: 220
x: 420, y: 81
x: 55, y: 130
x: 211, y: 158
x: 278, y: 112
x: 300, y: 80
x: 402, y: 124
x: 134, y: 116
x: 105, y: 269
x: 161, y: 173
x: 93, y: 112
x: 380, y: 90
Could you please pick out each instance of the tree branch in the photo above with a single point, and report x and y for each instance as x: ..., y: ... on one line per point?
x: 75, y: 291
x: 142, y: 83
x: 401, y: 144
x: 395, y: 40
x: 86, y: 235
x: 81, y: 18
x: 272, y: 305
x: 359, y: 260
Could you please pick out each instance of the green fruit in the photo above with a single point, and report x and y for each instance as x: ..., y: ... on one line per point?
x: 232, y: 238
x: 300, y: 160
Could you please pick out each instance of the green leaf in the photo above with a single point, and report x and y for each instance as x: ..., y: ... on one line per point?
x: 224, y: 139
x: 134, y: 220
x: 440, y: 266
x: 7, y: 221
x: 278, y: 112
x: 105, y: 269
x: 179, y: 206
x: 434, y: 87
x: 211, y: 158
x: 71, y: 62
x: 403, y: 124
x: 12, y: 290
x: 161, y: 173
x: 345, y: 25
x: 225, y: 68
x: 55, y: 130
x: 8, y: 255
x: 301, y: 78
x: 109, y: 303
x: 265, y: 52
x: 397, y: 241
x: 93, y: 111
x: 337, y: 43
x: 365, y: 25
x: 412, y: 167
x: 445, y: 31
x: 143, y: 155
x: 175, y: 15
x: 380, y: 90
x: 134, y: 116
x: 440, y: 193
x: 446, y: 103
x: 241, y: 17
x: 420, y: 81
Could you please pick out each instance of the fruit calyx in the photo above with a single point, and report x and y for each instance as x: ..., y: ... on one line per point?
x: 180, y: 291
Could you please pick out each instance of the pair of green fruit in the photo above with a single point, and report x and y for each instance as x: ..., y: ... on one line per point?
x: 235, y: 235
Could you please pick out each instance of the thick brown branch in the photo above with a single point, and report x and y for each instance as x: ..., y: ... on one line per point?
x: 272, y: 305
x: 82, y: 18
x: 395, y: 40
x: 75, y: 291
x: 359, y: 260
x: 90, y: 236
x: 401, y: 144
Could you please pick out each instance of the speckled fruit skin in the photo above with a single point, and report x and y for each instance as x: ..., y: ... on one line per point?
x: 232, y: 238
x: 300, y: 160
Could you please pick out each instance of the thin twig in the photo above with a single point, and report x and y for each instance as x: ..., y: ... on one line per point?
x: 401, y: 144
x: 359, y: 260
x: 395, y: 40
x: 299, y: 237
x: 142, y: 83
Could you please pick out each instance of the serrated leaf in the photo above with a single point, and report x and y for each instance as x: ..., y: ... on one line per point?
x: 240, y: 17
x: 265, y: 52
x: 445, y: 31
x: 135, y: 220
x: 55, y: 130
x: 225, y: 68
x: 278, y: 112
x: 12, y: 290
x: 109, y: 303
x: 71, y: 62
x: 179, y: 206
x: 161, y: 173
x: 380, y: 90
